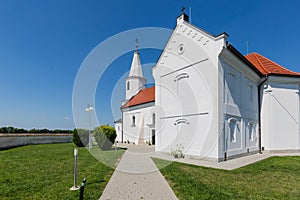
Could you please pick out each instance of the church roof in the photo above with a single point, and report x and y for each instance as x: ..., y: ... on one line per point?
x: 118, y: 121
x: 267, y: 67
x: 144, y: 96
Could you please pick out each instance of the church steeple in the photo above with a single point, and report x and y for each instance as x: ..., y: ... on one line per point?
x: 136, y: 68
x: 136, y: 81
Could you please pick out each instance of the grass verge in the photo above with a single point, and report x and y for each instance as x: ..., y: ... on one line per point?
x: 273, y: 178
x: 46, y: 172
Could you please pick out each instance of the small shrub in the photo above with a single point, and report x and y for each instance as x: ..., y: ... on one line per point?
x: 80, y: 137
x: 105, y: 136
x: 178, y: 152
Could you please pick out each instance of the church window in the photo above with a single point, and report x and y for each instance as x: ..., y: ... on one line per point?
x: 128, y: 86
x: 153, y: 118
x: 133, y: 121
x: 251, y: 131
x: 233, y: 123
x: 251, y: 92
x: 231, y: 88
x: 181, y: 48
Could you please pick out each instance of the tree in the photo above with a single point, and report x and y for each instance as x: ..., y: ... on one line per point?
x: 105, y: 136
x: 11, y: 129
x: 20, y: 130
x: 80, y: 137
x: 3, y: 130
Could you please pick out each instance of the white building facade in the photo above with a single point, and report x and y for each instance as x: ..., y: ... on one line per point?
x: 119, y: 128
x: 208, y: 99
x: 211, y: 100
x: 138, y: 111
x: 280, y: 114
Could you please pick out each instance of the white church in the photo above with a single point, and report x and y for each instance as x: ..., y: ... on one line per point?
x: 211, y: 100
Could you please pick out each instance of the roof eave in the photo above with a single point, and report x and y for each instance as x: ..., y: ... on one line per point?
x: 137, y: 104
x: 285, y: 75
x: 233, y: 50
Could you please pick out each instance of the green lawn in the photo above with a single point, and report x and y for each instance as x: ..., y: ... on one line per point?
x: 273, y: 178
x: 46, y: 172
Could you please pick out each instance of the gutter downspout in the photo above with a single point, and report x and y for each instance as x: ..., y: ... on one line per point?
x: 122, y: 126
x: 259, y: 113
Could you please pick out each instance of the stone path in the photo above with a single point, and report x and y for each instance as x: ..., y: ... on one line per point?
x: 227, y: 165
x: 137, y: 177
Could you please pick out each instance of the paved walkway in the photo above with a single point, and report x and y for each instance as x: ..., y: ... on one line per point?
x: 137, y: 177
x: 227, y: 165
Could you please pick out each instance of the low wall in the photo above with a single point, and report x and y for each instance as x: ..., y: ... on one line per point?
x: 14, y: 140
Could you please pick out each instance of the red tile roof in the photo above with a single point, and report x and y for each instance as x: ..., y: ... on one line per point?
x: 266, y: 66
x: 144, y: 96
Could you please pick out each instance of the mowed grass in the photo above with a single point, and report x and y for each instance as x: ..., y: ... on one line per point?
x: 46, y: 172
x: 273, y: 178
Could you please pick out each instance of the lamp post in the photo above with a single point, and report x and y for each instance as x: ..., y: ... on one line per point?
x: 75, y: 187
x: 89, y: 109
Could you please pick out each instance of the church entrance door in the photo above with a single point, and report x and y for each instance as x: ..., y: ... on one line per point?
x: 153, y: 136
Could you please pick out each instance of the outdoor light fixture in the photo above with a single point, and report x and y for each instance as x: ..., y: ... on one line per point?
x: 75, y: 187
x: 89, y: 109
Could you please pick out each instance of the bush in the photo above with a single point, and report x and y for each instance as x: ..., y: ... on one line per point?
x: 80, y: 137
x: 105, y: 136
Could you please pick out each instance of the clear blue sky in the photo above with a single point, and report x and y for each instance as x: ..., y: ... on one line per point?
x: 43, y: 43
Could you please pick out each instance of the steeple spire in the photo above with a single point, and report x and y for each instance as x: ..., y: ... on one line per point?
x: 135, y: 81
x: 136, y: 68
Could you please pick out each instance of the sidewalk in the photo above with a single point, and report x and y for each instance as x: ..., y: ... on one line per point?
x: 137, y: 177
x: 227, y: 165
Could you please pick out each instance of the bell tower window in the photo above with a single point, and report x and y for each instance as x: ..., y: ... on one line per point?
x: 128, y: 85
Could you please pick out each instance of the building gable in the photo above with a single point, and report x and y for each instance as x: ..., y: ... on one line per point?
x: 189, y: 44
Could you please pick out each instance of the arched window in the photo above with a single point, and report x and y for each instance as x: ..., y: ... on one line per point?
x: 153, y: 118
x: 251, y: 90
x: 232, y: 122
x: 133, y: 121
x: 128, y: 85
x: 251, y: 129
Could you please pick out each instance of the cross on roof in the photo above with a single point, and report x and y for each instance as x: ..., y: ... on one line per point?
x: 136, y: 45
x: 182, y: 9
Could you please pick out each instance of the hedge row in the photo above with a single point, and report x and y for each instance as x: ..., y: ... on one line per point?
x: 104, y: 135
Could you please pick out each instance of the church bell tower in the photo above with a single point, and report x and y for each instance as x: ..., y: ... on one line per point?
x: 136, y: 81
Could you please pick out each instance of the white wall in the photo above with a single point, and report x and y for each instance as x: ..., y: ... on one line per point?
x: 135, y: 85
x: 14, y: 140
x: 186, y: 79
x: 118, y: 128
x: 139, y: 132
x: 280, y: 114
x: 240, y: 103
